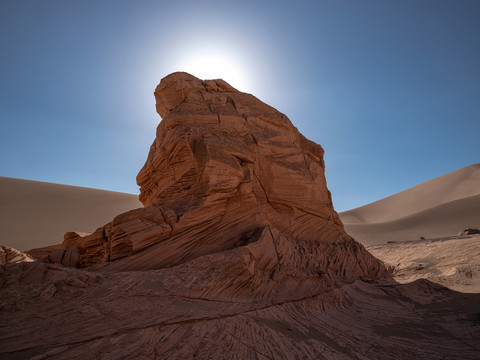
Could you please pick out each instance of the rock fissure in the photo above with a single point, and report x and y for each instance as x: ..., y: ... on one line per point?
x: 279, y: 263
x: 308, y: 167
x: 261, y: 186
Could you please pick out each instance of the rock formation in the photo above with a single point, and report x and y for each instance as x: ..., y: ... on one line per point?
x: 238, y: 253
x: 227, y: 171
x: 9, y: 255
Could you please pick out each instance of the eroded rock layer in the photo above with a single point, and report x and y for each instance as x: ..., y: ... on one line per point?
x: 48, y: 311
x: 224, y: 171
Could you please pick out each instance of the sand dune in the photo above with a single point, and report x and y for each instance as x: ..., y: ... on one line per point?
x: 440, y: 207
x: 35, y: 214
x: 443, y: 220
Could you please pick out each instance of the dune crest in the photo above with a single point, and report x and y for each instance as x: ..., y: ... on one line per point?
x: 36, y: 214
x: 436, y: 208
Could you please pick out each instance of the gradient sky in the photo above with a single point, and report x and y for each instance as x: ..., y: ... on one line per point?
x: 390, y: 89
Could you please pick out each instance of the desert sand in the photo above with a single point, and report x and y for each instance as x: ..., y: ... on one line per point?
x: 35, y: 214
x: 440, y: 207
x: 453, y: 262
x: 237, y: 253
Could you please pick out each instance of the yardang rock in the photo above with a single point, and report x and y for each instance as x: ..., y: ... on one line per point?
x: 226, y: 170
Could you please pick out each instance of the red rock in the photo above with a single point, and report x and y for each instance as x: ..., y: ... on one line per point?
x: 44, y: 252
x: 225, y: 165
x: 71, y: 258
x: 57, y: 256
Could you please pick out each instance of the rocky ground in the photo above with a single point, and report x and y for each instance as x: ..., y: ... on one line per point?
x: 50, y: 311
x: 453, y: 262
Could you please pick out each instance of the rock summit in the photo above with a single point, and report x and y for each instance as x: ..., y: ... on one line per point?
x: 228, y: 174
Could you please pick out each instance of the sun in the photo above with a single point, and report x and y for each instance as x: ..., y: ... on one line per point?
x: 214, y: 64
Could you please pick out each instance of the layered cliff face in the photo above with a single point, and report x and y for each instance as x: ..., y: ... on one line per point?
x: 227, y: 171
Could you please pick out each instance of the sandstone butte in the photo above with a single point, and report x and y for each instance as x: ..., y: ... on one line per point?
x: 237, y: 253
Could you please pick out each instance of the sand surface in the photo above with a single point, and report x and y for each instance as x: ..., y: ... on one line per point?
x: 451, y: 262
x: 35, y: 214
x: 437, y: 208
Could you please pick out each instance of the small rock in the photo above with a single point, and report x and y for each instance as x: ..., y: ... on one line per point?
x: 48, y: 292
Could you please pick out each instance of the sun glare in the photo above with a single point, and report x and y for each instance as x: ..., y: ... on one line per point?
x: 216, y: 65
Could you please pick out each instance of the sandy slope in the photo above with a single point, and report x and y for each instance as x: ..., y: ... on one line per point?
x: 440, y: 207
x: 451, y: 262
x: 35, y: 214
x: 443, y: 220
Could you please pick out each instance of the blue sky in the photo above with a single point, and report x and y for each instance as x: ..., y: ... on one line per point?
x: 390, y: 89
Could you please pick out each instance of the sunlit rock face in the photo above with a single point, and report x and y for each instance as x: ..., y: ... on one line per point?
x: 225, y: 172
x: 10, y: 255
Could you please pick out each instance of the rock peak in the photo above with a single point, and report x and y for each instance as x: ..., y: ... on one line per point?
x: 176, y: 88
x: 229, y: 177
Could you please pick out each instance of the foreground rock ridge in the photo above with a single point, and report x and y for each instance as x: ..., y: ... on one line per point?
x: 238, y: 253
